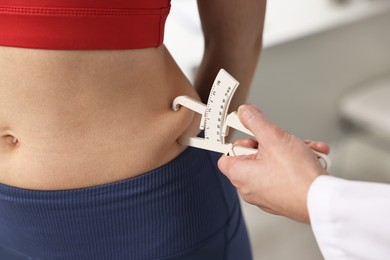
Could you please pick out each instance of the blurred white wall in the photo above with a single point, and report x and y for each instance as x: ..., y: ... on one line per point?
x: 299, y: 83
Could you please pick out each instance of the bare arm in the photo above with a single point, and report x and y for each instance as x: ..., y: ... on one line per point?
x: 233, y: 40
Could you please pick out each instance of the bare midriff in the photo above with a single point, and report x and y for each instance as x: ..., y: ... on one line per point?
x: 73, y: 119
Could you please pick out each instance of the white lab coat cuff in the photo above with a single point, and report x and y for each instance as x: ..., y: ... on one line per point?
x: 320, y: 199
x: 350, y: 219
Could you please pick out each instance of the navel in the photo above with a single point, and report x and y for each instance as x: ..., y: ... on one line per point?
x: 10, y: 141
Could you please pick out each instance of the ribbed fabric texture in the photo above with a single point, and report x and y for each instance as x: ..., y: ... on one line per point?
x: 162, y: 213
x: 83, y: 24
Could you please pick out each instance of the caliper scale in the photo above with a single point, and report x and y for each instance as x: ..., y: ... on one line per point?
x: 215, y: 122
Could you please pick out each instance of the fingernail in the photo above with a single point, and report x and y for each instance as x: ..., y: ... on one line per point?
x: 247, y: 110
x: 242, y: 108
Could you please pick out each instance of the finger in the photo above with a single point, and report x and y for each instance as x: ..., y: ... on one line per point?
x: 225, y: 164
x: 318, y: 146
x: 230, y: 165
x: 238, y: 169
x: 259, y: 125
x: 246, y: 142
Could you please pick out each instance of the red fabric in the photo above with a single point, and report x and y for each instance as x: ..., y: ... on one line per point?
x: 83, y: 24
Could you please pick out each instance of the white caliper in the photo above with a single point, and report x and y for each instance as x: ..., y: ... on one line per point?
x: 215, y: 122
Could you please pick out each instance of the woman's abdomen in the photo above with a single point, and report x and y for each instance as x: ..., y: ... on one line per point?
x: 72, y: 119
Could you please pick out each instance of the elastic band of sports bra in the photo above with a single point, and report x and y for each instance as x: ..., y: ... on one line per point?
x: 58, y: 11
x: 81, y: 28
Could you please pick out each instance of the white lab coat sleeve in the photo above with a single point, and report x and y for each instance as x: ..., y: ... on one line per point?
x: 350, y: 219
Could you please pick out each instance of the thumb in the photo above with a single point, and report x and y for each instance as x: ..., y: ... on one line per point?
x: 253, y: 119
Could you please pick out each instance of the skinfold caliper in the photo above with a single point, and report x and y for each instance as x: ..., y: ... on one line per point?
x: 215, y: 122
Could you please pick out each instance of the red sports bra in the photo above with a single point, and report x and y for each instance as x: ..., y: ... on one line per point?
x: 83, y: 24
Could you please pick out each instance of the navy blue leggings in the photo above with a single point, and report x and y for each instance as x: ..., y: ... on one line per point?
x: 185, y: 209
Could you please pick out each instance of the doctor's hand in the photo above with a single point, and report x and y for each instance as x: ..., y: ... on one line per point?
x: 278, y: 177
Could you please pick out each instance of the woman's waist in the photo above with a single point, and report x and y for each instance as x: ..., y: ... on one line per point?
x: 56, y: 142
x: 80, y: 153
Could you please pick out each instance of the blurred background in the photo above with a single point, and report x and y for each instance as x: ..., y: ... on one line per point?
x: 324, y: 74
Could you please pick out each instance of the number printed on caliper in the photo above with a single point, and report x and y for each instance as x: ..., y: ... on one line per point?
x: 217, y: 106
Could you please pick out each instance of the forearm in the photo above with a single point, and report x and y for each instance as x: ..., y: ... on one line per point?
x: 240, y: 65
x: 233, y: 41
